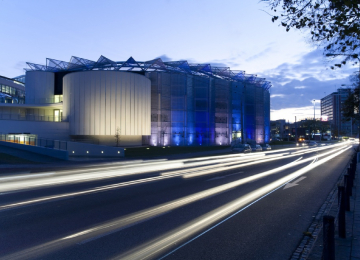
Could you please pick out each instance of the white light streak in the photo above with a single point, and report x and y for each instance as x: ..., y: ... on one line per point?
x: 157, y: 246
x: 178, y: 235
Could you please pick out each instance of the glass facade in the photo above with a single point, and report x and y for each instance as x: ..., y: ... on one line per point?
x: 10, y: 94
x: 193, y: 110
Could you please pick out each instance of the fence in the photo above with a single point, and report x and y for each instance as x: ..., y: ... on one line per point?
x: 34, y: 141
x: 344, y: 194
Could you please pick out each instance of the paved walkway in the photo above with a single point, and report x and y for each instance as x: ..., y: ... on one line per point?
x: 345, y: 248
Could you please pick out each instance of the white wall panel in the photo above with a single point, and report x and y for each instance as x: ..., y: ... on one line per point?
x: 97, y: 105
x: 92, y: 101
x: 118, y: 103
x: 87, y: 105
x: 101, y: 101
x: 39, y: 87
x: 113, y: 88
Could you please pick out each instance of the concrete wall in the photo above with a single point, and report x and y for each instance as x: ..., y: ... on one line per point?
x: 60, y: 154
x: 92, y: 150
x: 39, y: 87
x: 51, y: 130
x: 99, y: 102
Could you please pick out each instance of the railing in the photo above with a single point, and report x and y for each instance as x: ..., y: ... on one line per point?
x: 32, y: 118
x: 34, y: 141
x: 53, y: 100
x: 344, y: 194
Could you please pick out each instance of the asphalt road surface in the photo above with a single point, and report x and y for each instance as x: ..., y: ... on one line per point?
x: 236, y: 206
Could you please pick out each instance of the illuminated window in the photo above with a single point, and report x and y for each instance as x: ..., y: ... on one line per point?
x: 58, y: 98
x: 56, y: 115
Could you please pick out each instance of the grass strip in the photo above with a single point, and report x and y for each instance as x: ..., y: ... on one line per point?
x: 168, y: 150
x: 10, y: 159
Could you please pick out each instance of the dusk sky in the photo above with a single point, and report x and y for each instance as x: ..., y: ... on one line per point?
x: 235, y: 34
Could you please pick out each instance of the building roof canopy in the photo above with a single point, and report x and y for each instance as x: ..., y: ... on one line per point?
x: 104, y: 63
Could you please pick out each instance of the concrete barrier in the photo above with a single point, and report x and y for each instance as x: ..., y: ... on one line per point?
x: 60, y: 154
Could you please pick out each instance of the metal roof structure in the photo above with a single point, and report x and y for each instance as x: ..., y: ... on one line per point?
x: 103, y: 63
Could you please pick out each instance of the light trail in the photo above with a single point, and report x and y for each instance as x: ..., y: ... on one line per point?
x: 231, y: 166
x: 9, y: 183
x: 157, y: 246
x: 181, y: 233
x: 135, y: 218
x: 184, y: 174
x: 83, y: 175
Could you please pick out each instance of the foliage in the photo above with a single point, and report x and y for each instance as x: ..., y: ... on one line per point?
x: 350, y: 107
x: 334, y: 24
x: 117, y: 136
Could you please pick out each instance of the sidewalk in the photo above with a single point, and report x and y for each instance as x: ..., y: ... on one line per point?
x: 345, y: 248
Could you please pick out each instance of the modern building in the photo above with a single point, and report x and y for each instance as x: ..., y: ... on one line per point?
x: 152, y: 102
x: 331, y: 109
x: 12, y: 91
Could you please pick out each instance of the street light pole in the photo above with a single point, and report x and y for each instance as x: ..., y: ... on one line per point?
x: 314, y: 108
x: 296, y: 139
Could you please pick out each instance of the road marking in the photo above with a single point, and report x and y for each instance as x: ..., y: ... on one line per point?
x: 293, y: 184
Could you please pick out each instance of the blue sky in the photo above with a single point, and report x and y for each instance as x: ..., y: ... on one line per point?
x: 236, y: 34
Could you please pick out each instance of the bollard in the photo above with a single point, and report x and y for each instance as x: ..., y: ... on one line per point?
x: 352, y: 169
x: 328, y: 238
x: 347, y: 192
x: 350, y: 182
x: 341, y: 217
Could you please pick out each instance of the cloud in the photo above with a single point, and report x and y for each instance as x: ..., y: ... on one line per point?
x: 277, y: 95
x: 310, y: 65
x: 164, y: 58
x: 290, y: 113
x: 259, y: 55
x: 307, y: 79
x: 20, y: 65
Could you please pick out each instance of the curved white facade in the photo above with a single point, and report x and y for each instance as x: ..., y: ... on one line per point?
x: 99, y: 102
x: 39, y: 87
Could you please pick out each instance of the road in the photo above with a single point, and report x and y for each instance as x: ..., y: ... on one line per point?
x: 237, y: 206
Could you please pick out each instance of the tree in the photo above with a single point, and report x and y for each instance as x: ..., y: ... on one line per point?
x: 117, y: 136
x: 350, y: 107
x: 334, y: 24
x: 323, y: 127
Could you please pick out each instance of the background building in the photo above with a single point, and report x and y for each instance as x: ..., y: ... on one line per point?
x: 331, y: 108
x: 152, y: 102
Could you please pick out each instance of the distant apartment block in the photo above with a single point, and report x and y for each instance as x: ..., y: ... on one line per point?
x: 331, y: 108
